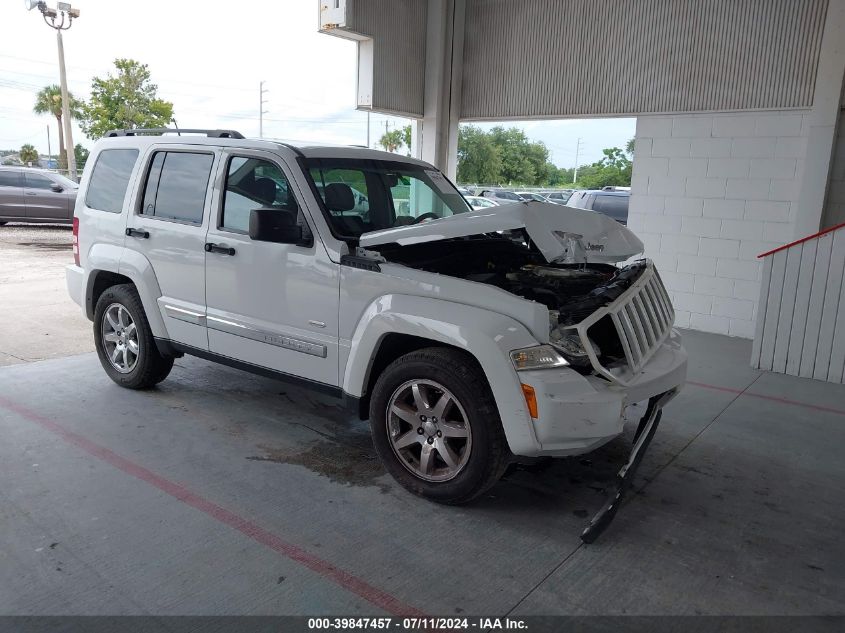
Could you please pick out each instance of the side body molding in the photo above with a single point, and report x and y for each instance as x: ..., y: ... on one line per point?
x: 488, y: 336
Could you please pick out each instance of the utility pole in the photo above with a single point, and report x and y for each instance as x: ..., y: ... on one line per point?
x: 67, y: 13
x: 49, y: 149
x: 261, y: 111
x: 577, y: 153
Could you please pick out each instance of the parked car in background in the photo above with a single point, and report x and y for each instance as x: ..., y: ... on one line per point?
x: 559, y: 197
x: 35, y: 195
x: 613, y: 202
x: 500, y: 195
x: 531, y: 195
x: 477, y: 202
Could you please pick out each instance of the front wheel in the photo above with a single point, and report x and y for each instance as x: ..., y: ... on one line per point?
x: 124, y: 340
x: 436, y: 427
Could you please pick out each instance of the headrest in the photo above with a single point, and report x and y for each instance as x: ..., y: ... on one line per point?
x: 265, y: 190
x: 339, y: 197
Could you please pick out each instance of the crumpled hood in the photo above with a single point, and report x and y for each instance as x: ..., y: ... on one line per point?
x: 562, y: 234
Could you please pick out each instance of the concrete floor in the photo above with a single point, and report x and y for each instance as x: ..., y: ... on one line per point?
x: 224, y: 493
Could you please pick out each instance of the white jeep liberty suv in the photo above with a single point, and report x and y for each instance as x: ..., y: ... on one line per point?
x: 469, y: 339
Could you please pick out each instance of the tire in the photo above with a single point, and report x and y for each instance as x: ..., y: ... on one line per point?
x: 139, y: 369
x: 472, y: 437
x: 2, y: 223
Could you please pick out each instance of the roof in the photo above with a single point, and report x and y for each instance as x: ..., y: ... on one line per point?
x: 308, y: 149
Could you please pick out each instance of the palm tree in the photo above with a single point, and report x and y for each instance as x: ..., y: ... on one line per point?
x: 49, y: 101
x: 28, y: 154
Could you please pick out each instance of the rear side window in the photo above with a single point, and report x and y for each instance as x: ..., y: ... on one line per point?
x: 9, y: 179
x: 110, y: 178
x: 176, y: 186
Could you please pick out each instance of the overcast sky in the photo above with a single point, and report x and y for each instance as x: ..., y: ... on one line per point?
x: 209, y: 63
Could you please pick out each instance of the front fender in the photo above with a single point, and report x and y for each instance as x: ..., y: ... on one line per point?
x: 487, y: 335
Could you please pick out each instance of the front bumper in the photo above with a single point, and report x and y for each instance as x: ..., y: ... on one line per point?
x: 577, y: 414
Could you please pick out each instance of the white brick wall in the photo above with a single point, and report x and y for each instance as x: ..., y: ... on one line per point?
x: 710, y: 193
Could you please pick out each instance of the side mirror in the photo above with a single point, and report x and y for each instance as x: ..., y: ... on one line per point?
x: 274, y: 225
x: 56, y: 187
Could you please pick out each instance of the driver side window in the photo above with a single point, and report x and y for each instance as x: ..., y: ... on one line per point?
x: 254, y: 183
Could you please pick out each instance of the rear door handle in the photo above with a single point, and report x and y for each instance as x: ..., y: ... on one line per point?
x: 31, y: 193
x: 216, y: 248
x: 137, y: 233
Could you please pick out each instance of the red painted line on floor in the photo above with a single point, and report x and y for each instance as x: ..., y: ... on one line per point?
x: 794, y: 403
x: 340, y: 577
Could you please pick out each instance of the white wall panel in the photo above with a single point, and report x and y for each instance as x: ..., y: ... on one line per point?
x: 801, y: 324
x: 541, y: 58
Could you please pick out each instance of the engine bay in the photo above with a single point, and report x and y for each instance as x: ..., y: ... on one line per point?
x: 508, y: 261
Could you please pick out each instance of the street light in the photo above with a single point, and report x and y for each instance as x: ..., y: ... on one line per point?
x: 51, y: 19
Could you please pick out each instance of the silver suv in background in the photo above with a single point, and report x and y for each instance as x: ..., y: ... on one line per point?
x: 612, y: 202
x: 35, y: 195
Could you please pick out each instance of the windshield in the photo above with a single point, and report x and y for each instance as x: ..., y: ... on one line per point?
x: 359, y: 196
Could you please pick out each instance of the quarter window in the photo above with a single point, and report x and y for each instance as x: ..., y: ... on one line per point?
x: 176, y: 186
x: 110, y: 179
x: 253, y: 183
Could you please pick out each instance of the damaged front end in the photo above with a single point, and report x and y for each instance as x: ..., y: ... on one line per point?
x: 604, y: 319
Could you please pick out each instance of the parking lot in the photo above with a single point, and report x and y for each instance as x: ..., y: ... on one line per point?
x: 37, y: 318
x: 221, y: 492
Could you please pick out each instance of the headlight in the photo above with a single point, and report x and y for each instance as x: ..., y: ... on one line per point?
x: 538, y: 357
x: 570, y: 345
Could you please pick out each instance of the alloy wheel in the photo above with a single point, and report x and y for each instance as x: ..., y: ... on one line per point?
x: 120, y: 338
x: 429, y: 430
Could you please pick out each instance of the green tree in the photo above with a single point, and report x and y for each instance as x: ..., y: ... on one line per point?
x: 28, y: 154
x: 81, y: 155
x: 629, y: 147
x: 406, y: 138
x: 125, y: 100
x: 49, y: 101
x: 479, y: 160
x: 502, y: 155
x: 613, y: 169
x: 391, y: 140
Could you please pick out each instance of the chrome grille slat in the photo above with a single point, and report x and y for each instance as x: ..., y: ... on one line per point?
x: 643, y: 317
x: 653, y: 310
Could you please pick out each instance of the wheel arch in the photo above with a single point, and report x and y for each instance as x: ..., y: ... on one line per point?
x: 393, y: 325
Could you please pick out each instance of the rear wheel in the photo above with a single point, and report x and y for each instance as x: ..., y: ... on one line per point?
x: 125, y: 342
x: 436, y: 427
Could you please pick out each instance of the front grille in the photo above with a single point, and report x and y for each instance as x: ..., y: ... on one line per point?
x: 643, y: 318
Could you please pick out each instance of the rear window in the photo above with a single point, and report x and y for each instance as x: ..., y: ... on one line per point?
x: 176, y: 186
x: 614, y: 206
x: 110, y: 178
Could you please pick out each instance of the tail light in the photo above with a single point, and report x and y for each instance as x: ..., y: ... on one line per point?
x: 76, y: 241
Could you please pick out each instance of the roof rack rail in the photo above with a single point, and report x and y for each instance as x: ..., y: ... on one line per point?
x: 166, y: 130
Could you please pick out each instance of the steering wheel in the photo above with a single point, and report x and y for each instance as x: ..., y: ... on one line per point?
x: 426, y: 216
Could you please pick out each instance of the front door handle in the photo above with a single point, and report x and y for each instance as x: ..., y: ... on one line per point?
x: 137, y: 233
x: 216, y: 248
